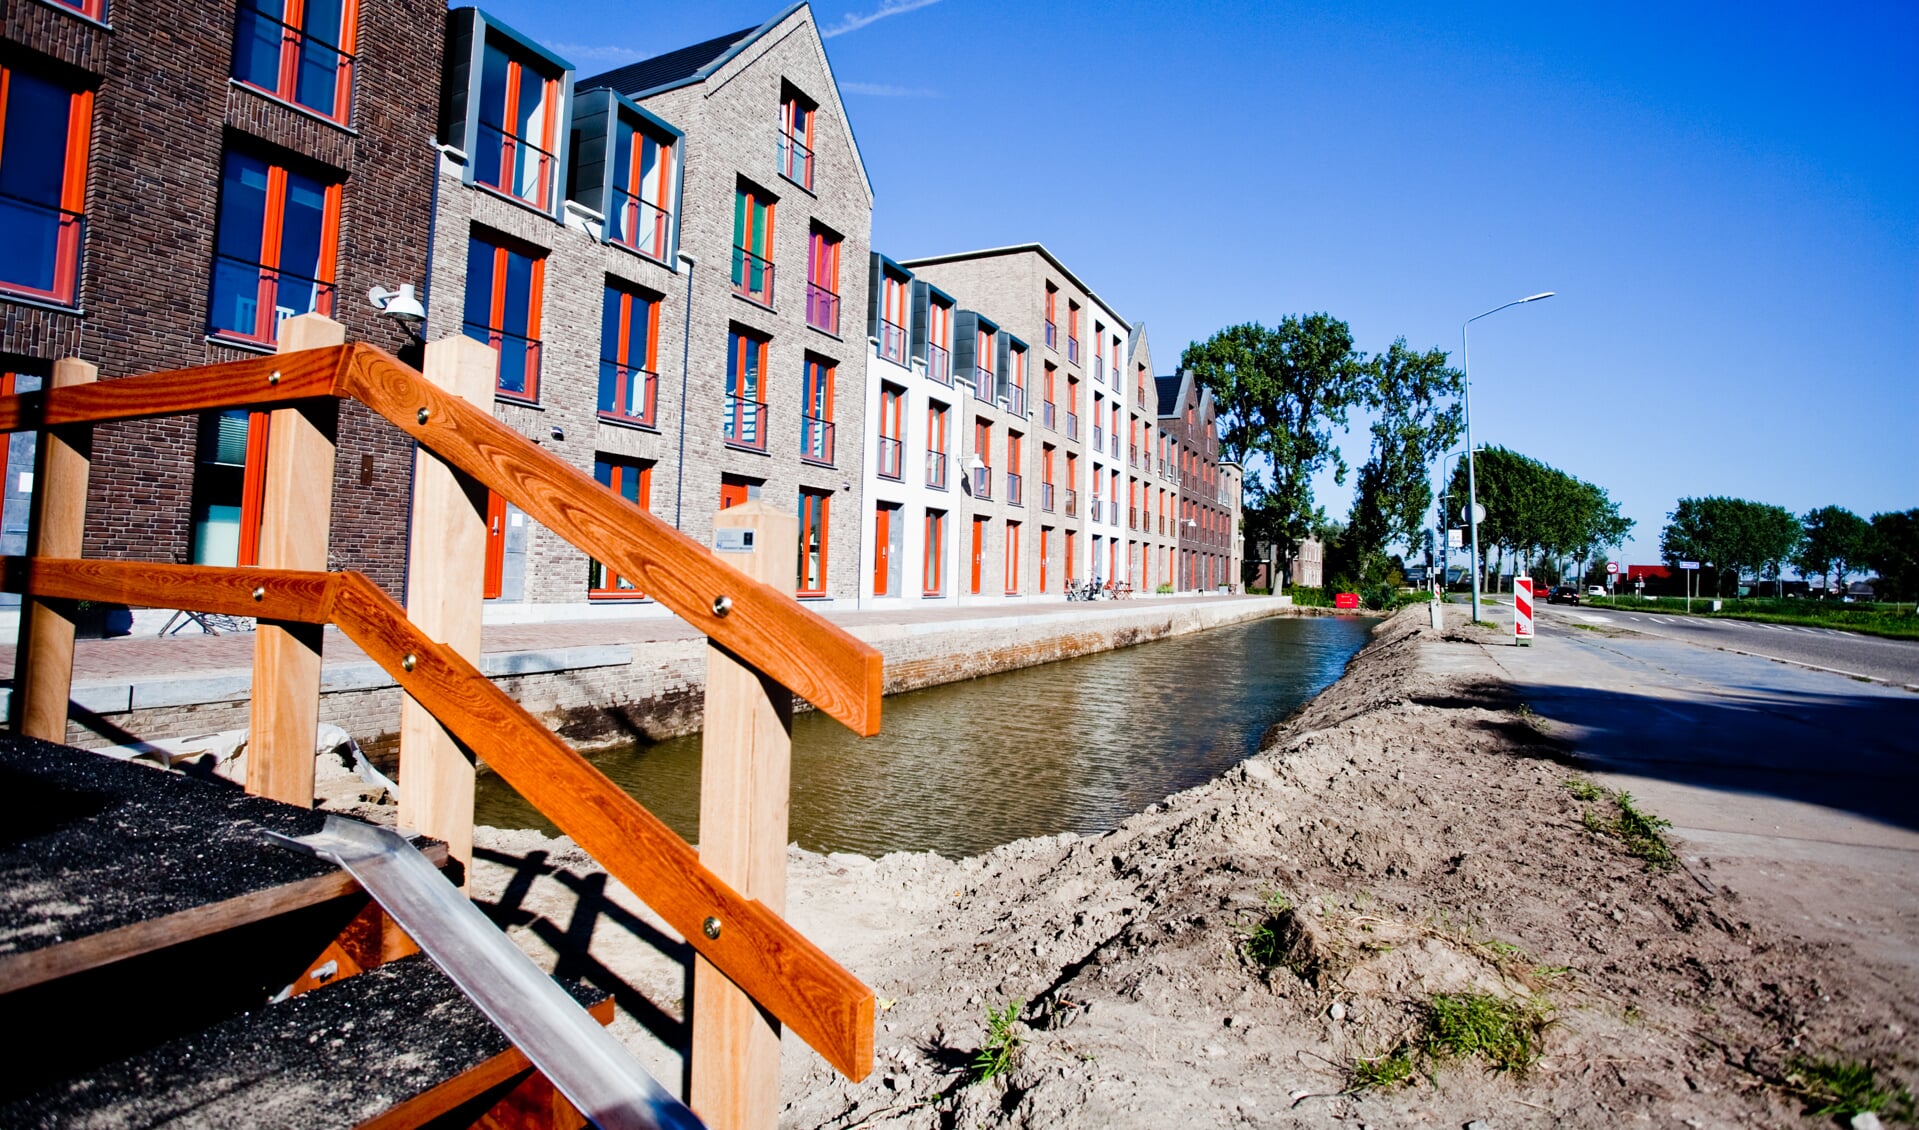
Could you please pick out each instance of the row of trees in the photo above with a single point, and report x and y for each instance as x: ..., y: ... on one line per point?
x: 1738, y: 538
x: 1537, y: 512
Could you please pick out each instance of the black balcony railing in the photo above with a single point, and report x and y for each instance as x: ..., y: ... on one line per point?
x: 518, y: 374
x: 1016, y: 400
x: 635, y: 223
x: 1072, y: 350
x: 1072, y: 425
x: 744, y: 424
x: 890, y: 453
x: 939, y: 364
x: 322, y: 75
x: 627, y: 393
x: 982, y: 482
x: 936, y: 470
x: 513, y: 165
x: 1072, y: 503
x: 892, y: 342
x: 251, y: 300
x: 1052, y: 336
x: 822, y: 308
x: 796, y: 160
x: 816, y: 440
x: 752, y: 276
x: 42, y: 255
x: 1014, y: 494
x: 1046, y: 497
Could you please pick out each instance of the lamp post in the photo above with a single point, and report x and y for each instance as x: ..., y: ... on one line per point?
x: 1472, y: 484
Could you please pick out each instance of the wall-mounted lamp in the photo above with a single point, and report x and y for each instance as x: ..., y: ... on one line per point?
x: 400, y: 305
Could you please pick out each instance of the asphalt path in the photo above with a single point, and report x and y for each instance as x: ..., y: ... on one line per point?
x: 1828, y: 649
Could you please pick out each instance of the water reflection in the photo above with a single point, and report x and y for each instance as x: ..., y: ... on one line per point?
x: 1072, y: 746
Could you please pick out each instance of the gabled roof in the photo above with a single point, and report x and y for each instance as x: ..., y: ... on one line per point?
x: 678, y: 68
x: 1020, y: 248
x: 1172, y: 392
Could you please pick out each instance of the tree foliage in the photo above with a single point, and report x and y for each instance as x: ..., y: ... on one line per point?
x: 1893, y: 553
x: 1417, y: 398
x: 1538, y: 510
x: 1836, y: 543
x: 1734, y: 535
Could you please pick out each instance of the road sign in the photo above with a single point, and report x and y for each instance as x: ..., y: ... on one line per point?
x: 1455, y: 538
x: 1479, y: 513
x: 1522, y: 610
x: 1346, y: 600
x: 1689, y: 565
x: 1612, y: 567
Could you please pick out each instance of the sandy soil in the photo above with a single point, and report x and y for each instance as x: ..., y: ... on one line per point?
x: 1420, y: 827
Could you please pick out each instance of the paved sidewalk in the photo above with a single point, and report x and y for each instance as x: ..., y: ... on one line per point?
x: 148, y: 656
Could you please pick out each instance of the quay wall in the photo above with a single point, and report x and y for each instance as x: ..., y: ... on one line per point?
x: 606, y: 695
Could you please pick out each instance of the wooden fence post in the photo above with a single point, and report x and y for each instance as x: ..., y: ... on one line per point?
x: 43, y: 678
x: 446, y: 572
x: 746, y: 751
x: 295, y: 514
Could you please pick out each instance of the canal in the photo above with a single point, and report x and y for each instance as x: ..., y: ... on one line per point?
x: 1073, y: 746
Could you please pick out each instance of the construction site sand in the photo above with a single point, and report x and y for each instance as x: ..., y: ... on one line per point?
x: 1422, y: 828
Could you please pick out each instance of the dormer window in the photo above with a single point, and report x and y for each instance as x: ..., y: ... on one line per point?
x: 796, y: 137
x: 639, y: 212
x: 519, y: 118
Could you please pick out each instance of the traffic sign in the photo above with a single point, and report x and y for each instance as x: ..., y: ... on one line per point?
x: 1612, y: 567
x: 1522, y: 609
x: 1689, y: 565
x: 1455, y: 538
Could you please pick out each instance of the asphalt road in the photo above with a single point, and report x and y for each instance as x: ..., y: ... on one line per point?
x: 1845, y: 653
x: 1793, y: 786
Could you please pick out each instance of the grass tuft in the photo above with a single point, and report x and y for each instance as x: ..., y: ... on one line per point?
x: 1846, y: 1087
x: 1003, y: 1042
x: 1582, y: 789
x: 1265, y: 940
x: 1506, y: 1033
x: 1641, y: 833
x: 1381, y: 1074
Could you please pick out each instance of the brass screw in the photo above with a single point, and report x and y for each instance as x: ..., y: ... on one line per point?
x: 260, y: 593
x: 409, y: 661
x: 711, y: 928
x: 273, y: 378
x: 722, y: 604
x: 422, y: 415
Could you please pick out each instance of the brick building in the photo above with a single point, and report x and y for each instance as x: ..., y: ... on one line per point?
x: 656, y: 254
x: 177, y: 179
x: 1208, y: 519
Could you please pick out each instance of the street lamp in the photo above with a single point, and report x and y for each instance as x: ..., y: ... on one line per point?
x: 1472, y: 484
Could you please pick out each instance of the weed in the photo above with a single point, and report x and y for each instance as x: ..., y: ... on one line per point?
x: 1551, y: 972
x: 1642, y: 833
x: 1003, y: 1042
x: 1843, y: 1087
x: 1506, y: 1033
x: 1381, y: 1074
x: 1587, y: 627
x: 1265, y: 943
x: 1582, y: 789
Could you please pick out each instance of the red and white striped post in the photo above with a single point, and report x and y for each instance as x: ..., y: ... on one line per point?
x: 1522, y: 610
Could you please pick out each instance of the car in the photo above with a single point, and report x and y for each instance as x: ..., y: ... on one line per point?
x: 1563, y: 594
x: 1595, y: 590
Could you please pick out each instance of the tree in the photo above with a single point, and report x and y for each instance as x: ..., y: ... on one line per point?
x: 1837, y: 542
x: 1735, y: 535
x: 1417, y: 398
x: 1535, y: 510
x: 1280, y: 392
x: 1893, y: 553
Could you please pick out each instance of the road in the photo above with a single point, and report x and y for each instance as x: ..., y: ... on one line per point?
x: 1793, y: 786
x: 1846, y: 653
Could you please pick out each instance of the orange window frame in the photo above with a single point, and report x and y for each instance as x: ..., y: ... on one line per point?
x: 623, y: 348
x: 892, y: 412
x: 1013, y: 441
x: 1016, y: 368
x: 814, y: 509
x: 1011, y: 570
x: 796, y: 119
x: 265, y: 326
x: 1067, y: 551
x: 1046, y: 465
x: 73, y: 192
x: 635, y: 175
x: 983, y: 442
x: 1052, y: 304
x: 936, y: 428
x: 823, y: 260
x: 933, y: 563
x: 290, y: 41
x: 939, y: 329
x: 610, y: 586
x: 509, y: 114
x: 496, y: 307
x: 983, y: 352
x: 1072, y: 321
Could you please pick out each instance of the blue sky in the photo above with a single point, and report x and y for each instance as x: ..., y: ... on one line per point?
x: 1726, y: 199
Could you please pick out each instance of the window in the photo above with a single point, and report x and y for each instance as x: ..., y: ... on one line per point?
x: 1014, y: 495
x: 44, y: 131
x: 932, y: 569
x: 816, y: 412
x: 812, y: 580
x: 983, y: 448
x: 1012, y: 558
x: 229, y: 484
x: 939, y: 342
x: 1016, y: 380
x: 1099, y: 352
x: 274, y: 248
x: 629, y: 342
x: 1071, y: 567
x: 92, y: 9
x: 1072, y: 331
x: 1052, y: 318
x: 1046, y: 454
x: 300, y: 51
x: 1047, y: 409
x: 744, y: 425
x: 1072, y: 407
x: 519, y: 106
x: 886, y: 548
x: 936, y: 445
x: 983, y: 363
x: 639, y: 210
x: 892, y: 431
x: 503, y: 286
x: 796, y: 138
x: 1116, y: 355
x: 753, y: 245
x: 1045, y: 551
x: 823, y: 280
x: 632, y: 481
x: 892, y: 335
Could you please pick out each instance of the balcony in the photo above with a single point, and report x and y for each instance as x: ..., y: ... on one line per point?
x: 518, y: 374
x: 1052, y: 336
x: 744, y: 423
x: 890, y: 458
x: 752, y: 277
x: 983, y: 482
x: 796, y: 160
x: 1072, y: 503
x: 1046, y: 497
x: 1046, y: 413
x: 822, y: 308
x: 632, y: 222
x: 983, y: 382
x: 513, y: 165
x: 816, y: 440
x: 43, y: 256
x: 1015, y: 496
x: 251, y: 300
x: 627, y: 393
x: 1016, y: 400
x: 893, y: 342
x: 1072, y: 350
x: 1072, y: 425
x: 939, y: 364
x: 936, y: 470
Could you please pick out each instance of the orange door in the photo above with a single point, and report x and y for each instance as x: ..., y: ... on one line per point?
x: 882, y: 549
x: 495, y: 546
x: 979, y: 549
x: 1044, y: 537
x: 731, y: 493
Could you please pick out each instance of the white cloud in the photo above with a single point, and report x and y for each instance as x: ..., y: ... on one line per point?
x: 885, y: 90
x: 856, y: 20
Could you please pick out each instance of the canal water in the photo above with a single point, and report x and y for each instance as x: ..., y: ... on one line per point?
x: 1073, y: 746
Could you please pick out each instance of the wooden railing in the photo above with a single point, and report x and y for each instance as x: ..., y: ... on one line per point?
x: 725, y: 899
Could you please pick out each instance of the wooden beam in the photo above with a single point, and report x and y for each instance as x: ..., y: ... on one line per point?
x: 746, y: 762
x: 445, y: 584
x: 818, y: 660
x: 296, y: 513
x: 255, y: 382
x: 43, y: 675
